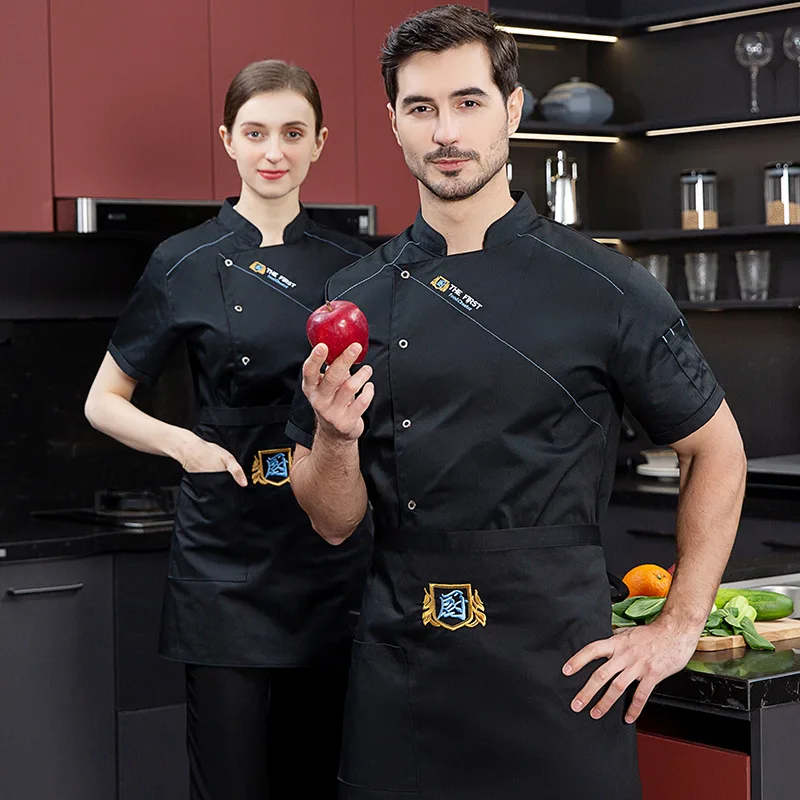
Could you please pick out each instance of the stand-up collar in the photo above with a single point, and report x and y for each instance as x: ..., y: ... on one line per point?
x: 234, y: 221
x: 517, y: 220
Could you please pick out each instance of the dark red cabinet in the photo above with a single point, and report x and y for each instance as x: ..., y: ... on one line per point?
x: 317, y: 35
x: 26, y: 189
x: 673, y: 769
x: 131, y: 105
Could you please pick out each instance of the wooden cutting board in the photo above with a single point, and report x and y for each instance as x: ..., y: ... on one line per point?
x: 776, y: 631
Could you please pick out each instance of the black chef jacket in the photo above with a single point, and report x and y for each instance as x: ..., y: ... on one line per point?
x: 250, y: 582
x: 500, y: 375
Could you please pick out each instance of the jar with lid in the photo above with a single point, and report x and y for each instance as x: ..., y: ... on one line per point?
x: 782, y: 192
x: 699, y: 199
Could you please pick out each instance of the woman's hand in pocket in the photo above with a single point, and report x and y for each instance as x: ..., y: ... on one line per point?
x: 198, y: 455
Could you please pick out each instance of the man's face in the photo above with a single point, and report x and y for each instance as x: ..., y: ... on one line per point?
x: 451, y: 120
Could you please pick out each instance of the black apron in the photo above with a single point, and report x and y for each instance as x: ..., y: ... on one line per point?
x: 456, y: 690
x: 250, y: 583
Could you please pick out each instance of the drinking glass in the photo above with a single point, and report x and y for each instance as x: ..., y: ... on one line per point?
x: 657, y: 266
x: 791, y: 44
x: 752, y: 269
x: 701, y: 276
x: 754, y: 50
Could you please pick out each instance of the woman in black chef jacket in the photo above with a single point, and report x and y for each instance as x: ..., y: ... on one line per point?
x: 257, y: 605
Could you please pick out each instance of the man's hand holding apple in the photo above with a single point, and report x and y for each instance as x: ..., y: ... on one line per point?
x: 340, y: 334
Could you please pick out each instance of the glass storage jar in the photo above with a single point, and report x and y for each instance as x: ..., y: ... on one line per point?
x: 782, y: 193
x: 699, y: 199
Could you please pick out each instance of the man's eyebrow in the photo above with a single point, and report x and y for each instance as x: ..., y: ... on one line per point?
x: 469, y: 91
x: 413, y: 99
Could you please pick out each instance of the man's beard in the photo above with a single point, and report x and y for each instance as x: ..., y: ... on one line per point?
x: 450, y: 187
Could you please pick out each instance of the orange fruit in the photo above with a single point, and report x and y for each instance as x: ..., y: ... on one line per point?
x: 649, y: 580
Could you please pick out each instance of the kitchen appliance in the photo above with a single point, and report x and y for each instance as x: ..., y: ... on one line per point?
x: 577, y: 102
x: 167, y: 217
x: 562, y: 189
x: 699, y: 199
x: 147, y: 510
x: 782, y: 192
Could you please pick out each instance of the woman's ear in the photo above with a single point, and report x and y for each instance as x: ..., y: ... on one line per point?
x: 319, y: 143
x: 227, y: 141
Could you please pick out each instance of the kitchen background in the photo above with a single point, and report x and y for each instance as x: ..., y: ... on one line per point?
x: 122, y: 100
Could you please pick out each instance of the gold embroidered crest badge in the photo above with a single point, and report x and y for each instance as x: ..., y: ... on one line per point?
x: 453, y: 606
x: 271, y: 467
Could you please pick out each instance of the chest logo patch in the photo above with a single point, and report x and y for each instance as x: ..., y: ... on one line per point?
x: 273, y: 275
x: 452, y: 606
x: 455, y: 293
x: 271, y: 467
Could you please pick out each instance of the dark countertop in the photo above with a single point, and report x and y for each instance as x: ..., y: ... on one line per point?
x: 738, y: 680
x: 25, y: 538
x: 731, y: 680
x: 769, y: 501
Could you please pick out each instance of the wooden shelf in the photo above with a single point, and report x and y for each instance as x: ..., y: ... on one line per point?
x: 668, y: 234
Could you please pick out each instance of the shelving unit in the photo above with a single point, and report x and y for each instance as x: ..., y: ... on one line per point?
x: 742, y: 305
x: 554, y: 131
x: 631, y: 25
x: 682, y: 103
x: 667, y: 234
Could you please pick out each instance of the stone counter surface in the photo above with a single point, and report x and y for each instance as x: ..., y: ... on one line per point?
x: 26, y: 538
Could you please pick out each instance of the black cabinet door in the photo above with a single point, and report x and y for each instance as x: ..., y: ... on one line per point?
x: 152, y: 754
x: 57, y: 737
x: 144, y: 679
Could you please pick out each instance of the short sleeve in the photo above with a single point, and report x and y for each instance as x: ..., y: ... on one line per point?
x: 662, y: 375
x: 302, y: 419
x: 146, y: 333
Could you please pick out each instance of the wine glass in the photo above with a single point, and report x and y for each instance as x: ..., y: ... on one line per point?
x: 754, y: 50
x: 791, y: 44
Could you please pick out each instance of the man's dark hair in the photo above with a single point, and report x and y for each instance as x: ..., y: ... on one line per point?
x: 443, y: 28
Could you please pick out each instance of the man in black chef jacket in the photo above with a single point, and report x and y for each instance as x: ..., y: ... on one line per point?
x: 483, y: 430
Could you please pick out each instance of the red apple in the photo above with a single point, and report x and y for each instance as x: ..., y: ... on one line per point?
x: 338, y: 324
x: 671, y: 570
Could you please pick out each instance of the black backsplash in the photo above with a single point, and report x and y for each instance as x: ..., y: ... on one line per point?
x: 50, y: 457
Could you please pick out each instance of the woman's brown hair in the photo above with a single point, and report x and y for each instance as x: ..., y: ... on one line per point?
x: 272, y: 75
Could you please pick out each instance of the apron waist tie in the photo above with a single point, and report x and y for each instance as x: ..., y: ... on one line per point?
x: 487, y: 540
x: 251, y: 415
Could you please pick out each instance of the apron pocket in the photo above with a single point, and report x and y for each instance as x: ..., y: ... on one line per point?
x: 209, y: 543
x: 379, y: 752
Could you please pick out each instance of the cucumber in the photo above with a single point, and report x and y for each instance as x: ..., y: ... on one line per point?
x: 768, y: 605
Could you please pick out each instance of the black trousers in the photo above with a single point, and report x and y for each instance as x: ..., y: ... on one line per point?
x: 264, y: 734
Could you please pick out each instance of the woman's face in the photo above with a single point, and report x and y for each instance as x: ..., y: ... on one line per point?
x: 273, y: 142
